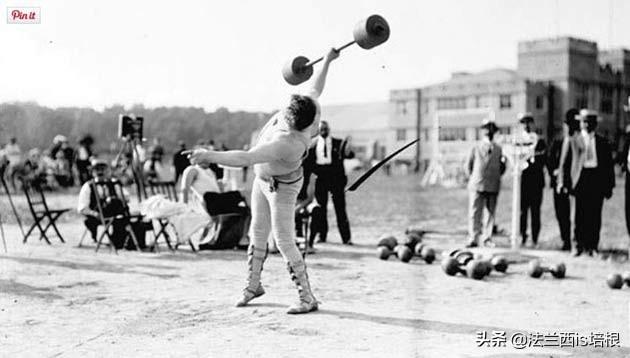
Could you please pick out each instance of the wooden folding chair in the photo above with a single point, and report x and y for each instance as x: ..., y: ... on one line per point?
x: 168, y: 190
x: 106, y: 191
x: 40, y: 211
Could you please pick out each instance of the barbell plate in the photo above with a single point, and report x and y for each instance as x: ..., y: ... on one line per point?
x: 371, y: 32
x: 295, y: 71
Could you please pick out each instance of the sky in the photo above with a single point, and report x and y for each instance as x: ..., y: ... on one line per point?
x: 230, y: 54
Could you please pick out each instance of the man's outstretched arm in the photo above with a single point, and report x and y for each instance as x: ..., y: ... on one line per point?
x: 320, y: 78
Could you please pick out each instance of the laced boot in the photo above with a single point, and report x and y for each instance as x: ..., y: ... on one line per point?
x: 307, y: 302
x: 255, y: 259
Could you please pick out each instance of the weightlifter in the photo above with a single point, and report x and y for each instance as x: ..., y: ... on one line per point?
x: 277, y: 160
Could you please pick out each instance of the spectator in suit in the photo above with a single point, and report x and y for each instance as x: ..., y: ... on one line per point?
x: 180, y: 160
x: 532, y: 176
x: 485, y: 166
x: 325, y: 159
x: 625, y: 168
x: 561, y: 200
x: 587, y: 170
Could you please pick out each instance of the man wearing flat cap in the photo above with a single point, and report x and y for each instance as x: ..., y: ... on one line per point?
x: 587, y: 170
x: 532, y: 176
x: 561, y: 197
x: 485, y: 166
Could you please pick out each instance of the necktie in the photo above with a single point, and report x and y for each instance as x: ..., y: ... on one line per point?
x: 325, y: 149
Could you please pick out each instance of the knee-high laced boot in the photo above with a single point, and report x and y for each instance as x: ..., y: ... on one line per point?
x: 255, y: 259
x: 307, y: 302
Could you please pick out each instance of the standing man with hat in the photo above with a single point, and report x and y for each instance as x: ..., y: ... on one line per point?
x: 532, y: 176
x: 561, y: 200
x: 588, y: 171
x: 485, y: 166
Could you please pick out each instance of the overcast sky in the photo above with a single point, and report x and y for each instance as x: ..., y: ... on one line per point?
x: 230, y: 53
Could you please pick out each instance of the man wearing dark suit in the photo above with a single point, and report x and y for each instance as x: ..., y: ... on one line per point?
x: 561, y: 199
x: 624, y: 162
x: 325, y: 159
x: 532, y: 176
x: 587, y: 170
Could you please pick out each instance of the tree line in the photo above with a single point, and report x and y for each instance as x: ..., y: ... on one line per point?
x: 36, y: 126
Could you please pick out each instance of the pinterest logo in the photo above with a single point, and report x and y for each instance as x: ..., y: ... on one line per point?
x: 24, y: 15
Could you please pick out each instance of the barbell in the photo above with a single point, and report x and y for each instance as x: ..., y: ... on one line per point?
x: 368, y: 33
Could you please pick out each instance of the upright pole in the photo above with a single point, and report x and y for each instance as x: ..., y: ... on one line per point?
x: 516, y: 194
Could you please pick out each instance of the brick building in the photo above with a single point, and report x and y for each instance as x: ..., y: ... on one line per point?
x: 552, y: 75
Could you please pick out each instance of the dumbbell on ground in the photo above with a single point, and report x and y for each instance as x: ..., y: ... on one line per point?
x: 497, y: 263
x: 388, y: 241
x: 616, y: 281
x: 473, y: 268
x: 424, y: 252
x: 368, y: 33
x: 536, y: 270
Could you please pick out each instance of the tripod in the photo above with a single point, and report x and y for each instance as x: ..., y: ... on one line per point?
x: 129, y: 149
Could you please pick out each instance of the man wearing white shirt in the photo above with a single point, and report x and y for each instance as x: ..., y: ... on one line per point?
x: 587, y: 170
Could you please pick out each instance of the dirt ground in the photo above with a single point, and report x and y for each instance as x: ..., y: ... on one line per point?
x: 64, y: 301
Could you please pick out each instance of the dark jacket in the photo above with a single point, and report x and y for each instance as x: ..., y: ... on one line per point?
x: 534, y: 174
x: 574, y: 161
x: 553, y: 161
x: 335, y: 170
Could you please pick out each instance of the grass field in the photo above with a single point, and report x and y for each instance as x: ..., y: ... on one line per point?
x: 64, y: 301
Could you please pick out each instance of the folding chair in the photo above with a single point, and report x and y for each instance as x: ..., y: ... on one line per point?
x: 167, y: 189
x: 106, y: 192
x: 40, y: 211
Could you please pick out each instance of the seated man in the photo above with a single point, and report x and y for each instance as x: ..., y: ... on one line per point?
x: 88, y: 205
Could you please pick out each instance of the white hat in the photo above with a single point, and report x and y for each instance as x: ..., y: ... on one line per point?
x: 586, y: 114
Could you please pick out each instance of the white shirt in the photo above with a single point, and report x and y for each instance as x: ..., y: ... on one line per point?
x: 83, y: 201
x: 590, y: 150
x: 323, y: 148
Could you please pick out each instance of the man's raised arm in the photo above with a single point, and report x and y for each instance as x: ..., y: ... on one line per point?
x: 320, y: 78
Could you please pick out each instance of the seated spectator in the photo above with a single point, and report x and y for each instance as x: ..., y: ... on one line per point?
x: 88, y: 206
x: 62, y: 170
x: 196, y: 181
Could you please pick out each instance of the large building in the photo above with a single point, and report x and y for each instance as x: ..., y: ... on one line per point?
x: 552, y: 76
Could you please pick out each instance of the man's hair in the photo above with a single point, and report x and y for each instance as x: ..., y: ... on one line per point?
x: 301, y: 112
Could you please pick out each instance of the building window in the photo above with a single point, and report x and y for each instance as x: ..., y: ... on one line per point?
x: 401, y: 107
x: 452, y: 134
x: 401, y: 134
x: 606, y: 105
x: 540, y: 102
x: 581, y: 95
x: 477, y: 101
x: 506, y: 131
x: 505, y: 101
x: 451, y: 103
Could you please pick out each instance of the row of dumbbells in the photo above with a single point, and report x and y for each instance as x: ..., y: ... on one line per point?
x: 464, y: 262
x: 411, y: 246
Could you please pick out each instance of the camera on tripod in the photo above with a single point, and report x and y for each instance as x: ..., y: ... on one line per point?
x: 130, y: 126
